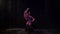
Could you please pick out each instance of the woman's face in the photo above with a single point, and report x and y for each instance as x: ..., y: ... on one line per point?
x: 27, y: 14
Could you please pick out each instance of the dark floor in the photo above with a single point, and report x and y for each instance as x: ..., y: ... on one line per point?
x: 35, y: 31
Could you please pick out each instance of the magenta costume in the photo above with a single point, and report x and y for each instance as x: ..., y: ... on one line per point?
x: 29, y: 21
x: 28, y: 24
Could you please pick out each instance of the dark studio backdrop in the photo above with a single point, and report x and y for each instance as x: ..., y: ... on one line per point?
x: 44, y: 11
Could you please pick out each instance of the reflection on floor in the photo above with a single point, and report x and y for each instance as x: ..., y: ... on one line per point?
x: 35, y: 31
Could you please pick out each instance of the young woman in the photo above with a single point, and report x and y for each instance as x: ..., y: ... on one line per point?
x: 28, y: 18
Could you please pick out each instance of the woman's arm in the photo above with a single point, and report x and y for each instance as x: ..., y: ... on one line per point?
x: 32, y: 19
x: 25, y: 16
x: 26, y: 10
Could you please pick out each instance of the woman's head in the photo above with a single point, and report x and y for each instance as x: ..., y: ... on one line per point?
x: 28, y: 12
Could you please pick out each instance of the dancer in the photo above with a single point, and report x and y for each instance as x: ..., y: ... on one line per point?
x: 28, y: 18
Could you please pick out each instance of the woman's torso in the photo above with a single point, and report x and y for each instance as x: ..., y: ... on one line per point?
x: 29, y: 19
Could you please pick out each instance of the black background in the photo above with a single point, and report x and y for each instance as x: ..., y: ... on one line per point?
x: 46, y: 13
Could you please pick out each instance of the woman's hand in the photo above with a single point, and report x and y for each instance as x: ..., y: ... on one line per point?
x: 26, y: 10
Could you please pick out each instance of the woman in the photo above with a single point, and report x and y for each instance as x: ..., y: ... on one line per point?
x: 28, y: 18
